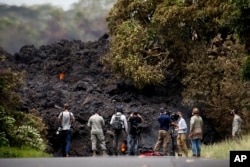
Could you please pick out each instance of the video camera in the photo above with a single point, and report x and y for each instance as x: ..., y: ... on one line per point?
x: 174, y: 116
x: 59, y: 130
x: 233, y: 111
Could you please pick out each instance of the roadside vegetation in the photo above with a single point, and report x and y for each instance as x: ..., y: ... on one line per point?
x: 18, y: 130
x: 222, y: 149
x: 14, y: 152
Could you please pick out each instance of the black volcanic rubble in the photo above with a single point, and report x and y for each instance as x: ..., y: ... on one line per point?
x: 87, y: 87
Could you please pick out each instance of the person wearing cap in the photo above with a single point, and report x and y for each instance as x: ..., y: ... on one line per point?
x: 236, y: 125
x: 96, y: 123
x: 195, y: 133
x: 134, y: 122
x: 163, y: 135
x: 119, y: 135
x: 66, y: 118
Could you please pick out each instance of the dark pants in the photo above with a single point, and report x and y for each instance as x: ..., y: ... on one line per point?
x: 118, y: 138
x: 66, y: 142
x: 133, y: 144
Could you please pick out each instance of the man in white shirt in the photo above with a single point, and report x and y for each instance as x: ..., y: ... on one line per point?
x: 182, y: 135
x: 66, y: 118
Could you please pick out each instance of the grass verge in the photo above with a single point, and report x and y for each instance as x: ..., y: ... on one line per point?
x: 10, y: 152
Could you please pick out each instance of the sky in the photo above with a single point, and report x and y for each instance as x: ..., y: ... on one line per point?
x: 65, y: 4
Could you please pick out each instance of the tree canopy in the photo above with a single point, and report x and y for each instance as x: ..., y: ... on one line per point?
x: 44, y: 24
x: 194, y: 41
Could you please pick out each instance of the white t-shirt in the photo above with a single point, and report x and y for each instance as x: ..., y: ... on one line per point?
x: 66, y: 118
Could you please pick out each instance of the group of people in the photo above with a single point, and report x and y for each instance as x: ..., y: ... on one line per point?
x: 130, y: 130
x: 195, y: 132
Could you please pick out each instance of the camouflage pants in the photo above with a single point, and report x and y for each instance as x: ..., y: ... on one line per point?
x: 98, y: 138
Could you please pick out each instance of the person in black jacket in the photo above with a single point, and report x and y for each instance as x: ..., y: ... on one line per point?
x: 134, y: 121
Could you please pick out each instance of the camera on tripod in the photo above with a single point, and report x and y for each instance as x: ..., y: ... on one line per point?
x: 174, y: 116
x: 173, y: 133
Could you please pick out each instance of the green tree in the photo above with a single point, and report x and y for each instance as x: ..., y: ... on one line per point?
x: 150, y: 37
x: 240, y: 21
x: 213, y: 82
x: 10, y: 81
x: 44, y: 24
x: 17, y: 128
x: 190, y: 41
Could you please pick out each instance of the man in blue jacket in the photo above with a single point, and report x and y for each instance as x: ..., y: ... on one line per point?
x: 163, y: 136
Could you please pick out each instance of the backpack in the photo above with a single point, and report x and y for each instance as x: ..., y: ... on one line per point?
x: 117, y: 122
x: 135, y: 126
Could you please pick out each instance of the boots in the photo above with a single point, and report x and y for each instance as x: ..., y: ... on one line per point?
x: 94, y: 153
x: 198, y: 155
x: 104, y: 153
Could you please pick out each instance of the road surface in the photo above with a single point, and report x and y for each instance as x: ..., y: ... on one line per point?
x: 113, y: 162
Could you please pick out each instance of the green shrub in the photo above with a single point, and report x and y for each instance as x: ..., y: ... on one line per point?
x: 18, y: 129
x: 21, y: 133
x: 3, y: 140
x: 29, y: 136
x: 246, y: 70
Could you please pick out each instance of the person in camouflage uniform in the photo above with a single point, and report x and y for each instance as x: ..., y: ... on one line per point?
x: 97, y: 123
x: 236, y: 125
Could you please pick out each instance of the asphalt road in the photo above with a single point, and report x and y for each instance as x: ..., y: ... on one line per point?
x: 113, y: 162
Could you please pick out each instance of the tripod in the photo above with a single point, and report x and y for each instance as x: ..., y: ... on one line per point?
x: 172, y: 135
